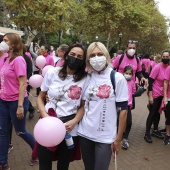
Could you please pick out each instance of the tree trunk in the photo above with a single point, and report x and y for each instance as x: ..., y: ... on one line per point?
x: 29, y: 35
x: 108, y: 40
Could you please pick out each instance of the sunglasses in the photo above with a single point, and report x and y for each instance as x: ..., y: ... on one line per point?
x: 132, y: 41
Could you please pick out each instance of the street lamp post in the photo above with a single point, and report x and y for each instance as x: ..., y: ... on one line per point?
x: 97, y: 38
x: 120, y: 40
x: 116, y: 45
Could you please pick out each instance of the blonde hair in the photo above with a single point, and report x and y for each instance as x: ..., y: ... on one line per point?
x: 103, y: 49
x: 158, y: 58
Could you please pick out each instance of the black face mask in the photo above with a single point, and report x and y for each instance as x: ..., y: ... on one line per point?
x: 165, y: 60
x: 74, y: 63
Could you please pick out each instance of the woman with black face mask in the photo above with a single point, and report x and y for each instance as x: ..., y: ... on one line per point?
x: 65, y: 88
x: 156, y: 83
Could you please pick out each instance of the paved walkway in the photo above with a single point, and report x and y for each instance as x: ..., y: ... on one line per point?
x: 140, y: 155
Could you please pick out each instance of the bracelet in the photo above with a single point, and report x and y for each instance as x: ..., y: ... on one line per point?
x: 20, y: 106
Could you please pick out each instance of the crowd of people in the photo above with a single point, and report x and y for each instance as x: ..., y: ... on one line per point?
x: 92, y: 94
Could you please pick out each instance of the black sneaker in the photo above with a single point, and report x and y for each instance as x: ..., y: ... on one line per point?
x: 166, y: 140
x: 163, y: 131
x: 4, y: 167
x: 157, y: 134
x: 148, y: 138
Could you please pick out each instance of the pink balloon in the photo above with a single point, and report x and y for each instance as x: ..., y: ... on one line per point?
x: 45, y: 69
x: 49, y: 131
x: 40, y: 61
x: 35, y: 80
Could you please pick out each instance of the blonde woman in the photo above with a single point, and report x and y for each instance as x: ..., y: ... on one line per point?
x: 98, y: 127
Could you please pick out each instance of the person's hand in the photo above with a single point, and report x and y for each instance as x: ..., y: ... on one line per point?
x: 47, y: 98
x: 145, y: 86
x: 70, y: 125
x: 165, y: 101
x: 116, y: 147
x: 144, y: 81
x: 150, y: 100
x: 20, y: 113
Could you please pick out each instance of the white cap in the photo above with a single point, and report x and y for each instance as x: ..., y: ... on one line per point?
x: 4, y: 47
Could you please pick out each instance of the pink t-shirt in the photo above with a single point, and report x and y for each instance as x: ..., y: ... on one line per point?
x: 167, y: 77
x: 49, y: 60
x: 9, y: 78
x: 60, y: 63
x: 158, y: 74
x: 125, y: 62
x: 2, y: 60
x: 146, y: 63
x: 153, y: 64
x: 131, y: 91
x: 29, y: 55
x: 1, y: 64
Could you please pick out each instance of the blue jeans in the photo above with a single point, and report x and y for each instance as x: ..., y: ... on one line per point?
x: 8, y: 111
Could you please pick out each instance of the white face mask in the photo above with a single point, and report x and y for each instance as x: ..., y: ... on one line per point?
x: 131, y: 52
x: 127, y: 76
x: 98, y: 63
x: 4, y: 47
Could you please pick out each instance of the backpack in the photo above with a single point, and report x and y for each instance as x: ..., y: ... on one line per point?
x: 112, y: 77
x: 120, y: 61
x: 121, y: 58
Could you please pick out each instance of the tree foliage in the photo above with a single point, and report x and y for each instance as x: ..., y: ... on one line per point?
x: 86, y: 19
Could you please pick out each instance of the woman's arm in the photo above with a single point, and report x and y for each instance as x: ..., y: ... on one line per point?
x: 151, y: 80
x: 70, y: 124
x: 165, y: 92
x: 40, y: 103
x: 34, y: 55
x: 22, y: 87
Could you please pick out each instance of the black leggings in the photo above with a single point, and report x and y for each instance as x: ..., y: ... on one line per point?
x: 154, y: 115
x: 64, y: 156
x: 128, y: 123
x: 168, y: 113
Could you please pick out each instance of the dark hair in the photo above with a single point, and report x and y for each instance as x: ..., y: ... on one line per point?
x: 120, y: 52
x: 80, y: 73
x: 128, y: 68
x: 146, y: 55
x: 165, y: 51
x: 47, y: 47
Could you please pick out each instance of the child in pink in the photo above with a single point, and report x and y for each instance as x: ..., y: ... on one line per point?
x: 125, y: 62
x: 128, y: 72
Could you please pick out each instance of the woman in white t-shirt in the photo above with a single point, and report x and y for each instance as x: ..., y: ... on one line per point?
x: 98, y: 127
x: 65, y: 87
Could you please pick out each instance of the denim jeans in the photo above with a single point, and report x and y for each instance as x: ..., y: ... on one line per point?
x: 8, y: 111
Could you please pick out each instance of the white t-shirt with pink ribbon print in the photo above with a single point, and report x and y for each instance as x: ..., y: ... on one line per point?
x: 99, y: 122
x: 64, y: 95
